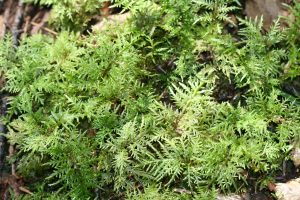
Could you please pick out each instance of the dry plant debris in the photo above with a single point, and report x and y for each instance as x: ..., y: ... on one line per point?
x: 270, y: 10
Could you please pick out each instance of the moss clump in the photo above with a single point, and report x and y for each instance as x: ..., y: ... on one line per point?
x: 132, y: 112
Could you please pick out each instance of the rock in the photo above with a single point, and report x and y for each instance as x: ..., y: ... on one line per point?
x: 289, y: 190
x: 269, y: 9
x: 111, y: 19
x: 296, y: 157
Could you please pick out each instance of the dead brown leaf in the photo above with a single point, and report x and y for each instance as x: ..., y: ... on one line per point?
x: 269, y: 9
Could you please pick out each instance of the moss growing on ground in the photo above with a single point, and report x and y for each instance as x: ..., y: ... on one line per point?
x: 167, y: 106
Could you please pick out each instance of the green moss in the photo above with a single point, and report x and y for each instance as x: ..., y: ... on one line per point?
x: 71, y: 14
x: 132, y: 112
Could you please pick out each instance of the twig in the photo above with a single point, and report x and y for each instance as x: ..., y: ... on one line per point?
x: 25, y: 190
x: 284, y: 169
x: 12, y: 180
x: 3, y: 108
x: 26, y: 27
x: 3, y: 141
x: 16, y: 34
x: 5, y: 18
x: 11, y: 151
x: 45, y: 29
x: 18, y: 23
x: 182, y: 191
x: 97, y: 193
x: 27, y: 22
x: 38, y: 15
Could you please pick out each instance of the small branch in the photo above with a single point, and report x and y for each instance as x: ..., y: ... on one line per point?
x: 18, y: 23
x: 182, y: 191
x: 12, y: 180
x: 5, y: 19
x: 25, y: 190
x: 45, y: 29
x: 11, y: 151
x: 27, y: 23
x: 3, y: 141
